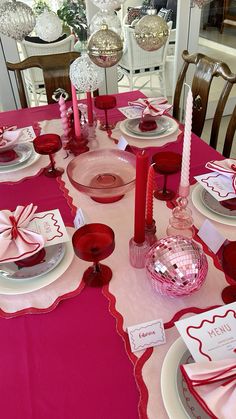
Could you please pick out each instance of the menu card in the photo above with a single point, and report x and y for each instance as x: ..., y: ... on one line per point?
x: 211, y: 335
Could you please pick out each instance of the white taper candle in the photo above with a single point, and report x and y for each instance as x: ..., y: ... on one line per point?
x: 185, y: 169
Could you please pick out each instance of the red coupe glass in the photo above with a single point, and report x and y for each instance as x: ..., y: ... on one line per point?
x: 105, y: 102
x: 229, y: 259
x: 94, y: 242
x: 166, y: 163
x: 48, y: 144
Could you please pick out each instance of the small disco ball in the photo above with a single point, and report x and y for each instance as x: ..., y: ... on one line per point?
x: 151, y: 32
x: 48, y: 26
x: 105, y: 47
x: 16, y: 19
x: 176, y: 266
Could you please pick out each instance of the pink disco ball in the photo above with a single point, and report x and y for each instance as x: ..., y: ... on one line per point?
x: 176, y: 266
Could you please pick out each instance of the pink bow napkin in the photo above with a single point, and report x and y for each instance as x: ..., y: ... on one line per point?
x: 153, y: 107
x: 16, y: 241
x: 213, y: 384
x: 226, y: 167
x: 8, y: 137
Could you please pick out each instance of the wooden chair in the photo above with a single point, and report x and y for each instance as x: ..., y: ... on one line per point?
x: 55, y: 72
x: 34, y: 76
x: 206, y: 69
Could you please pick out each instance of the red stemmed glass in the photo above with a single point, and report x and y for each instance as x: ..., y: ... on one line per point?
x: 105, y: 102
x: 93, y: 243
x: 48, y: 144
x: 166, y: 163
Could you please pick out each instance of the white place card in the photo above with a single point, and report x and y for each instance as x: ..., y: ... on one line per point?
x: 211, y: 236
x: 122, y: 143
x: 211, y: 335
x: 217, y: 185
x: 131, y: 112
x: 79, y: 220
x: 146, y: 335
x: 51, y: 226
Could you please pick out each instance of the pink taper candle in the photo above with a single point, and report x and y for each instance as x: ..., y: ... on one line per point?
x: 75, y: 112
x: 64, y: 120
x: 150, y: 188
x: 184, y: 180
x: 90, y: 108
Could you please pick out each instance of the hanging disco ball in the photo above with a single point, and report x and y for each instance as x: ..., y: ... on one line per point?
x: 105, y: 47
x: 151, y: 32
x: 108, y: 4
x: 48, y: 26
x: 16, y: 19
x: 85, y: 75
x: 109, y: 18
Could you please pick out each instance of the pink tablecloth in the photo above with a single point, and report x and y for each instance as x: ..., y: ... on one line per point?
x: 72, y: 362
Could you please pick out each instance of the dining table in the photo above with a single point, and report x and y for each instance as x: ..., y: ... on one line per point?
x: 65, y: 350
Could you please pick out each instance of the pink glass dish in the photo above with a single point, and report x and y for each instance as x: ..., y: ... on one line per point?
x: 105, y: 175
x: 176, y: 266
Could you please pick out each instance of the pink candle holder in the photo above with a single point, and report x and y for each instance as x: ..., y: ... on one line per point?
x: 137, y: 253
x: 181, y: 221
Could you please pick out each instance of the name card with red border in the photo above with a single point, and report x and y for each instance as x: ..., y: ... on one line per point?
x: 50, y: 225
x: 210, y: 336
x: 218, y: 185
x: 146, y: 335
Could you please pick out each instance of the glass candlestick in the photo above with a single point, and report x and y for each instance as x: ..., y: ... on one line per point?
x: 181, y: 222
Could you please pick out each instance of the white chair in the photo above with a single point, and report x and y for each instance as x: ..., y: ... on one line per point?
x: 34, y: 77
x: 137, y: 62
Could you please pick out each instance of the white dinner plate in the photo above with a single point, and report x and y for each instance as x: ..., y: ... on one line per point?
x: 31, y: 160
x: 178, y: 401
x: 173, y: 126
x: 23, y: 151
x: 213, y: 205
x: 53, y: 256
x: 9, y: 287
x: 198, y: 203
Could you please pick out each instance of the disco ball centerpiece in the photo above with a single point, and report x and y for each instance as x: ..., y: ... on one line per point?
x: 151, y: 32
x: 176, y: 266
x: 105, y: 47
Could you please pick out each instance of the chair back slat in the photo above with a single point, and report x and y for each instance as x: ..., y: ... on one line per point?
x: 55, y: 72
x: 206, y: 69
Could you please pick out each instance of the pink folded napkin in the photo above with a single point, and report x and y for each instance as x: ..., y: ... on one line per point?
x: 152, y: 107
x: 213, y: 384
x: 226, y: 167
x: 8, y: 137
x: 16, y: 241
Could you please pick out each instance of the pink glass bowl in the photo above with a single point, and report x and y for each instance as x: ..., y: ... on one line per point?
x: 105, y: 175
x: 176, y: 266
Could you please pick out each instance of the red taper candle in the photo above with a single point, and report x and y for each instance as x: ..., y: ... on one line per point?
x: 140, y: 196
x: 90, y: 108
x: 150, y: 188
x: 75, y: 112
